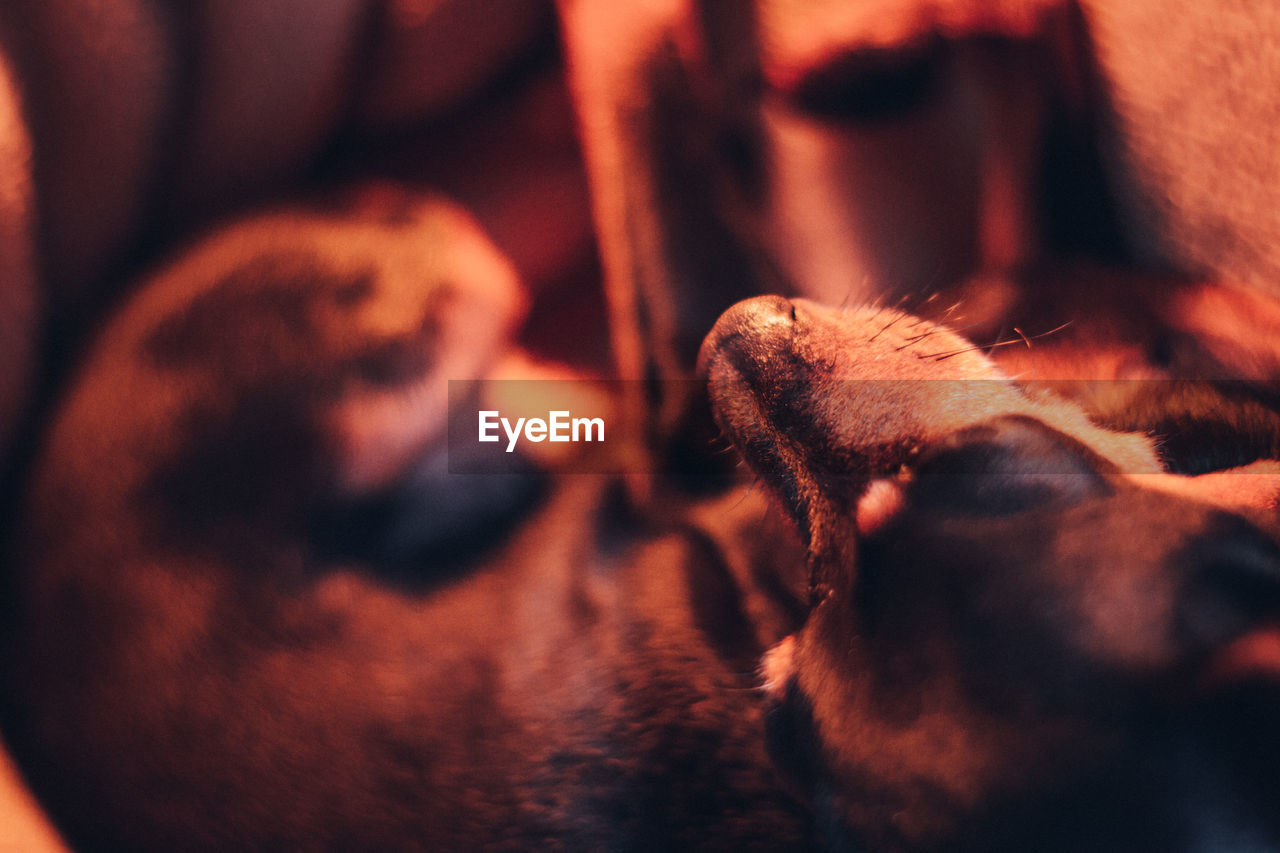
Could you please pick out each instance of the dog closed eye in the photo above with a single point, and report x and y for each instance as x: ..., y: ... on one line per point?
x: 1007, y: 465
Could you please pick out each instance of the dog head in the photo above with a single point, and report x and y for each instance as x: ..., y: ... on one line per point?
x: 1021, y: 634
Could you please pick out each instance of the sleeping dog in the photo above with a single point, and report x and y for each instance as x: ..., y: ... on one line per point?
x: 1010, y: 630
x: 209, y: 650
x: 1022, y: 634
x: 207, y: 653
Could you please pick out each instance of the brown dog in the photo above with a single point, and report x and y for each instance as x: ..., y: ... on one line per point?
x: 215, y: 566
x: 203, y: 660
x: 1022, y: 636
x: 211, y: 651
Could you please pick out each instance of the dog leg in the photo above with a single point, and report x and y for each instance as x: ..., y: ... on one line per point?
x: 169, y: 558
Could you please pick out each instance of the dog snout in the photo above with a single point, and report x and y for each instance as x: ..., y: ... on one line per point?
x: 751, y: 325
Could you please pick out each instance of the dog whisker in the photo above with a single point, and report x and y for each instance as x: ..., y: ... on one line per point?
x: 916, y: 339
x: 1030, y: 349
x: 886, y: 327
x: 747, y: 492
x: 943, y: 356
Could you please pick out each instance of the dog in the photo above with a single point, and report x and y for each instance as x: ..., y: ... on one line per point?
x: 221, y: 561
x: 1022, y: 633
x: 202, y: 660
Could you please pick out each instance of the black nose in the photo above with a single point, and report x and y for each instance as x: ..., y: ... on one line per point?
x: 748, y: 320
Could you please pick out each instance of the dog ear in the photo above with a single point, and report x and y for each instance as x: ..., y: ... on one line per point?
x: 1007, y: 465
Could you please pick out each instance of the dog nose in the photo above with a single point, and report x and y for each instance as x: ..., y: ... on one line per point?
x: 749, y: 320
x: 765, y: 307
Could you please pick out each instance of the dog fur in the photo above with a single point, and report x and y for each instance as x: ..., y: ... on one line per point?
x: 1022, y: 635
x: 200, y: 662
x: 208, y: 652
